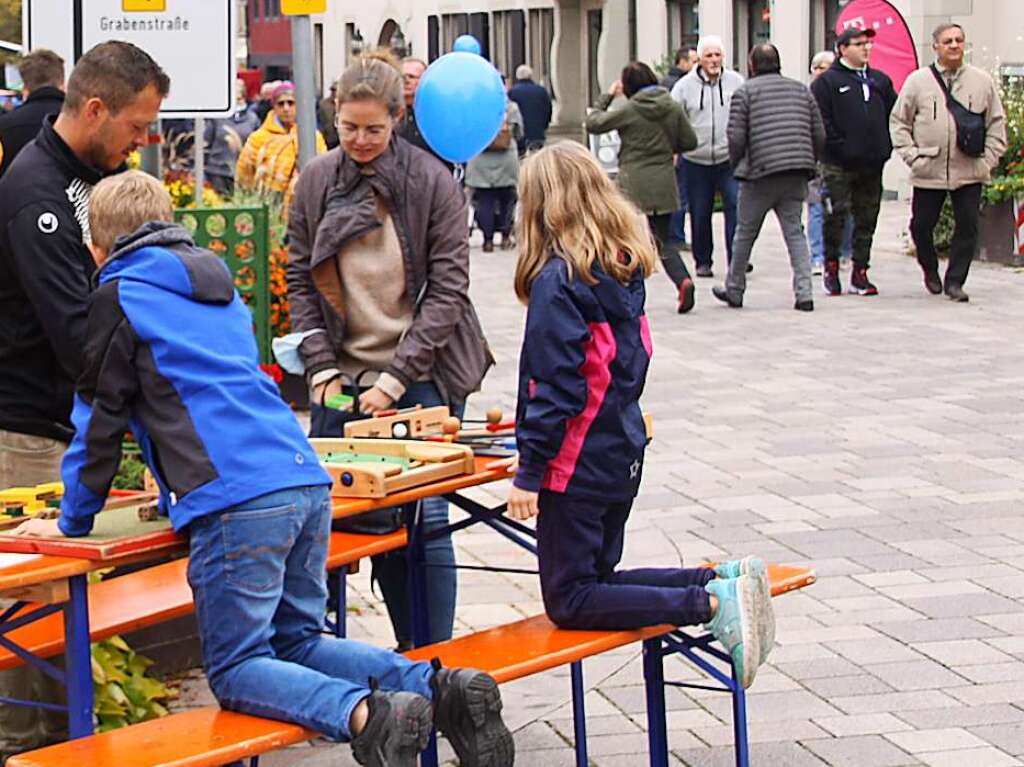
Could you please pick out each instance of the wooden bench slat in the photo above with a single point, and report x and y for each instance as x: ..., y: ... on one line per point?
x: 203, y: 737
x: 528, y: 647
x: 346, y: 548
x: 116, y: 606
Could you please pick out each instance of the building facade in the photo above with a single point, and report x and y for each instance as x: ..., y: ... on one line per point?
x: 577, y: 47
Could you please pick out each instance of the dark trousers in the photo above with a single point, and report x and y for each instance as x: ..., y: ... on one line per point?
x: 580, y: 543
x: 702, y: 181
x: 678, y: 229
x: 668, y: 251
x: 927, y: 207
x: 857, y: 193
x: 495, y: 210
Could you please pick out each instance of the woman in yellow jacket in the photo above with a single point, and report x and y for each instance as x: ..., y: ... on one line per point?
x: 268, y: 162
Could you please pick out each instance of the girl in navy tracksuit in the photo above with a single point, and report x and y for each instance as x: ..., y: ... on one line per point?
x: 584, y: 254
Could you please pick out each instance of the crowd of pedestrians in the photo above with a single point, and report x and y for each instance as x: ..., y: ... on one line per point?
x: 770, y: 143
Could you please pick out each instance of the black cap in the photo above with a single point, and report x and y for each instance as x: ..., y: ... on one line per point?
x: 851, y: 32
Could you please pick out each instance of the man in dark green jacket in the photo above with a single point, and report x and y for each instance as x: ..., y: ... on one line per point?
x: 652, y: 129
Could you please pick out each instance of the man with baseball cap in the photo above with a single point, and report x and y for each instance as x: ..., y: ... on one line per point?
x: 855, y: 101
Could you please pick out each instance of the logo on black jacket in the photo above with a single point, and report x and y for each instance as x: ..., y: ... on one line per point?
x: 47, y: 222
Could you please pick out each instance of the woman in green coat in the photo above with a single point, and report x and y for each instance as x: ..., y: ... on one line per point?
x: 652, y: 129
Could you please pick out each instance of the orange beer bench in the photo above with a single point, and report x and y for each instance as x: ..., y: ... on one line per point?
x: 208, y: 737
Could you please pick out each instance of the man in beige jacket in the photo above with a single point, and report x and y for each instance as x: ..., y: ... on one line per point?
x: 924, y: 135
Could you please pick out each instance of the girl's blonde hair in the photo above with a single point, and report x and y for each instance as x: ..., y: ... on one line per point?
x: 375, y: 76
x: 570, y: 209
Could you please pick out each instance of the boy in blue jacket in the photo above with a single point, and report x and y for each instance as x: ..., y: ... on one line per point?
x: 583, y: 257
x: 170, y: 354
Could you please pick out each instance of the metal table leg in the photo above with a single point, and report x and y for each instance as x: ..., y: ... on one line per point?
x: 79, y: 658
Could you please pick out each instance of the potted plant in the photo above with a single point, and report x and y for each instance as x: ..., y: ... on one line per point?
x: 1003, y: 201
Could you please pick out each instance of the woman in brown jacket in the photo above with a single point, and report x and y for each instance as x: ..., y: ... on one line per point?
x: 378, y: 281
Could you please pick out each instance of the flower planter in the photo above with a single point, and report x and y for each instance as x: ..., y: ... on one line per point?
x: 996, y: 234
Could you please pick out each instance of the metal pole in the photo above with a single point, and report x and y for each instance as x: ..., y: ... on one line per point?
x: 151, y: 152
x: 305, y: 87
x: 199, y: 165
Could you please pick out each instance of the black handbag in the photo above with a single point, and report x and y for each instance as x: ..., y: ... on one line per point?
x: 970, y: 126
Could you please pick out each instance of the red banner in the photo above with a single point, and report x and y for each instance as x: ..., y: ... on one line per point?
x: 894, y: 52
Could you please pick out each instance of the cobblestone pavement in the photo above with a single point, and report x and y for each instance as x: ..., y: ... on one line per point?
x: 877, y: 440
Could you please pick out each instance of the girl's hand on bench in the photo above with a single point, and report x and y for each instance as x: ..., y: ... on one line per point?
x: 39, y: 528
x: 509, y: 465
x: 522, y: 504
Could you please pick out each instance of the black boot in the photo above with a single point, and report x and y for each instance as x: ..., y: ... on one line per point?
x: 397, y: 729
x: 467, y: 710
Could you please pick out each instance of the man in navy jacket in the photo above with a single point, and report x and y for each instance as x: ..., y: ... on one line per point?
x: 535, y: 103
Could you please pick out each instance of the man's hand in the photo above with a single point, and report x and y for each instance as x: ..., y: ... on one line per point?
x: 38, y: 528
x: 615, y: 89
x: 373, y: 400
x: 522, y: 504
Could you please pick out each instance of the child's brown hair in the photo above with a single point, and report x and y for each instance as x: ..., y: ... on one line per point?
x: 121, y: 204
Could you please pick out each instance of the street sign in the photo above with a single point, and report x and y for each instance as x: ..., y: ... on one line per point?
x: 193, y: 40
x: 303, y: 7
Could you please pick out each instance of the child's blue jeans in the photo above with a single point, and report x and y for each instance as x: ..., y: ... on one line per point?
x: 257, y: 571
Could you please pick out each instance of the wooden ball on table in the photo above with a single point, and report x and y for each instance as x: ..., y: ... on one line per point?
x: 451, y: 425
x: 494, y: 415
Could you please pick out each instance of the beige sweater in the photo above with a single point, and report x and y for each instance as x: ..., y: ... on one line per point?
x: 378, y: 311
x: 924, y: 132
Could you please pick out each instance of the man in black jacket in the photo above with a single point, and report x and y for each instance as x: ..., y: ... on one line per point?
x: 855, y: 102
x: 114, y: 93
x: 42, y: 74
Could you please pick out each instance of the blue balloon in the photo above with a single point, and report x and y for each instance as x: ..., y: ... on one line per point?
x: 460, y: 105
x: 467, y: 44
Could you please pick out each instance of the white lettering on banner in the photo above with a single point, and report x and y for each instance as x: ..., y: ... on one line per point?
x: 155, y: 24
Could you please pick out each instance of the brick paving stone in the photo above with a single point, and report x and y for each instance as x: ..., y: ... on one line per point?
x: 774, y: 754
x: 861, y: 751
x: 975, y: 757
x: 965, y: 716
x: 948, y: 739
x: 861, y: 724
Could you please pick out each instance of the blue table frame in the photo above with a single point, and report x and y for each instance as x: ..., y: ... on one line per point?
x: 77, y: 678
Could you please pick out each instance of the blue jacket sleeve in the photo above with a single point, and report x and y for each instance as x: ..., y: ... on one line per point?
x: 102, y: 409
x: 556, y: 389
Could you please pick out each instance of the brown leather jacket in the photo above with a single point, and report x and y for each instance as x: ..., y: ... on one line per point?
x: 334, y: 204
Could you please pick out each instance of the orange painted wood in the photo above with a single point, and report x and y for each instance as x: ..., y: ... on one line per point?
x: 116, y: 606
x: 203, y: 737
x: 528, y: 647
x: 786, y: 578
x: 346, y: 548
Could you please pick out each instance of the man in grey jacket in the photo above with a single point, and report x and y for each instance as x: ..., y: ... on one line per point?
x: 775, y: 139
x: 705, y: 94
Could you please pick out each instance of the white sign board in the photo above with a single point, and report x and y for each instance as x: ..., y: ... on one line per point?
x: 193, y: 40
